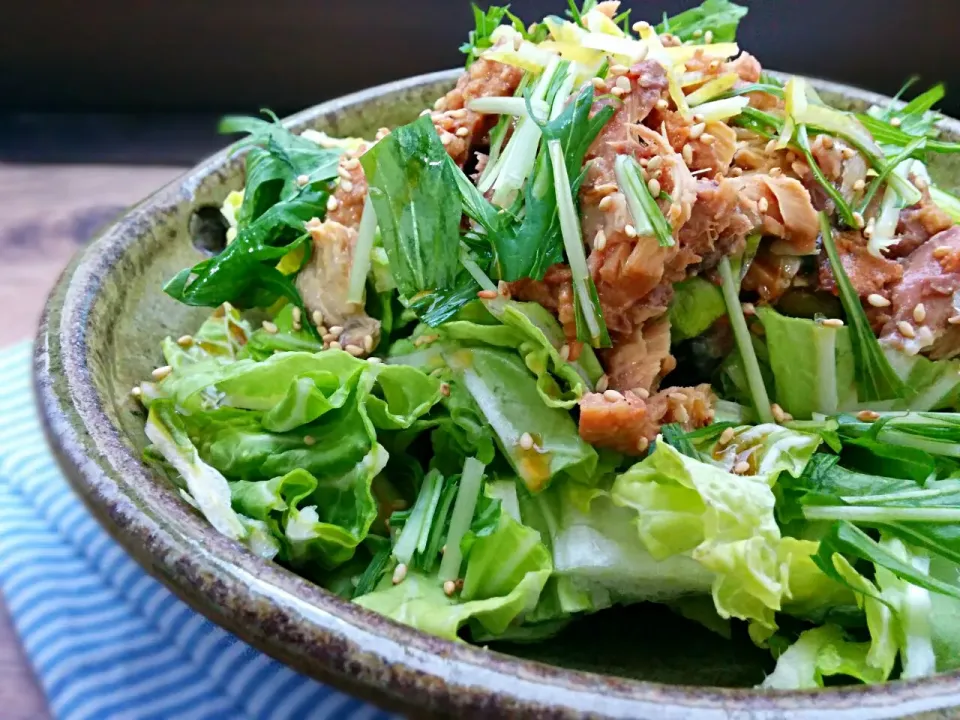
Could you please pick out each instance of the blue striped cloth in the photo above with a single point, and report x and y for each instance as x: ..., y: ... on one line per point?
x: 105, y: 639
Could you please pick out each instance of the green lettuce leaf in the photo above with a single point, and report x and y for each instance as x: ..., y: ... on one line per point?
x: 505, y: 573
x: 819, y: 653
x: 720, y: 17
x: 507, y: 394
x: 812, y: 364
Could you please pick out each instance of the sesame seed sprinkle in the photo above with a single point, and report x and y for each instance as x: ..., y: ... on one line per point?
x: 136, y: 392
x: 748, y: 308
x: 654, y: 187
x: 919, y: 313
x: 877, y: 301
x: 727, y: 435
x: 775, y: 172
x: 335, y: 330
x: 335, y: 345
x: 618, y: 91
x: 376, y: 361
x: 462, y: 132
x: 599, y: 83
x: 708, y: 37
x: 399, y: 573
x: 487, y: 294
x: 332, y: 203
x: 642, y: 393
x: 642, y: 445
x: 605, y: 204
x: 449, y: 588
x: 185, y: 341
x: 895, y: 122
x: 346, y: 185
x: 526, y: 441
x: 619, y: 69
x: 655, y: 162
x: 630, y: 230
x: 868, y: 415
x: 906, y: 329
x: 317, y: 318
x: 848, y: 153
x: 662, y: 104
x: 955, y: 320
x: 687, y: 154
x: 763, y: 204
x: 859, y: 185
x: 697, y: 130
x: 161, y: 372
x: 742, y: 467
x: 603, y: 383
x: 832, y: 323
x: 858, y: 219
x: 707, y: 138
x: 565, y: 352
x: 354, y: 350
x: 600, y: 240
x: 612, y: 396
x: 368, y: 343
x: 623, y: 82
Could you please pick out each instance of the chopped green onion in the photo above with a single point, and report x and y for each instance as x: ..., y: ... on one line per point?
x: 463, y: 509
x: 516, y: 106
x: 643, y: 207
x: 843, y: 209
x: 722, y: 109
x: 885, y: 223
x: 876, y: 379
x: 758, y: 391
x: 767, y: 88
x: 585, y: 290
x: 476, y: 272
x: 950, y: 204
x: 884, y: 514
x: 366, y: 235
x: 796, y: 102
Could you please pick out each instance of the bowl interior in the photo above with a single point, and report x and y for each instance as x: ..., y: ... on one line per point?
x: 131, y: 315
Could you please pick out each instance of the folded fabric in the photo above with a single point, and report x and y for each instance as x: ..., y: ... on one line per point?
x: 105, y: 639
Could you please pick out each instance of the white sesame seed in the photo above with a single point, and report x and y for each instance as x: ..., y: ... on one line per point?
x: 687, y: 154
x: 748, y: 308
x: 848, y: 153
x: 185, y: 341
x: 449, y: 588
x: 618, y: 91
x: 775, y: 172
x: 487, y: 294
x: 368, y: 343
x: 707, y: 139
x: 269, y: 327
x: 698, y: 118
x: 462, y: 132
x: 606, y: 188
x: 680, y: 414
x: 832, y: 323
x: 698, y: 33
x: 654, y: 187
x: 612, y: 396
x: 603, y: 383
x: 136, y: 392
x: 877, y: 301
x: 296, y: 314
x: 335, y: 345
x: 868, y: 415
x: 343, y: 172
x: 599, y: 83
x: 354, y: 350
x: 446, y: 138
x: 895, y: 121
x: 642, y: 393
x: 642, y: 444
x: 605, y: 203
x: 302, y: 180
x: 161, y: 372
x: 332, y: 203
x: 742, y: 467
x: 399, y: 573
x: 906, y: 329
x: 565, y: 352
x: 662, y: 104
x: 919, y: 313
x: 727, y: 435
x: 335, y: 330
x: 351, y: 163
x: 826, y: 141
x: 677, y: 397
x: 374, y: 360
x: 763, y: 205
x: 317, y: 318
x: 526, y: 441
x: 623, y: 82
x: 600, y: 240
x: 630, y: 230
x: 346, y: 185
x: 779, y: 414
x: 327, y: 337
x: 859, y: 185
x: 697, y: 130
x: 708, y: 37
x: 955, y: 320
x: 619, y: 69
x: 459, y: 114
x: 642, y: 25
x: 858, y: 219
x: 771, y: 147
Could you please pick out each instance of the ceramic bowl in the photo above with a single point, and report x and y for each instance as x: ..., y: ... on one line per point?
x: 101, y: 334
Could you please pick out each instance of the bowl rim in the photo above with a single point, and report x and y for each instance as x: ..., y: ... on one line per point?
x: 301, y: 624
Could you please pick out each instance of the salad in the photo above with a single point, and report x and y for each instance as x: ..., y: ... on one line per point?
x: 622, y: 318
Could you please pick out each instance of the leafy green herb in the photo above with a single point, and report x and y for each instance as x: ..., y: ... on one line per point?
x: 374, y: 571
x: 720, y: 17
x: 844, y: 211
x: 418, y: 208
x: 876, y: 379
x: 479, y: 39
x: 886, y: 134
x: 270, y: 220
x: 576, y: 13
x: 463, y: 512
x: 908, y: 151
x: 846, y: 538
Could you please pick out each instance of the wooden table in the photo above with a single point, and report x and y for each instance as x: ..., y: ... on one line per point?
x: 49, y: 212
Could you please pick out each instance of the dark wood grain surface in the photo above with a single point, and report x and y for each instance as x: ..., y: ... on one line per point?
x: 49, y: 212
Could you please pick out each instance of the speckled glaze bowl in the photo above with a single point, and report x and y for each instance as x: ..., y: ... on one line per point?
x: 100, y: 334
